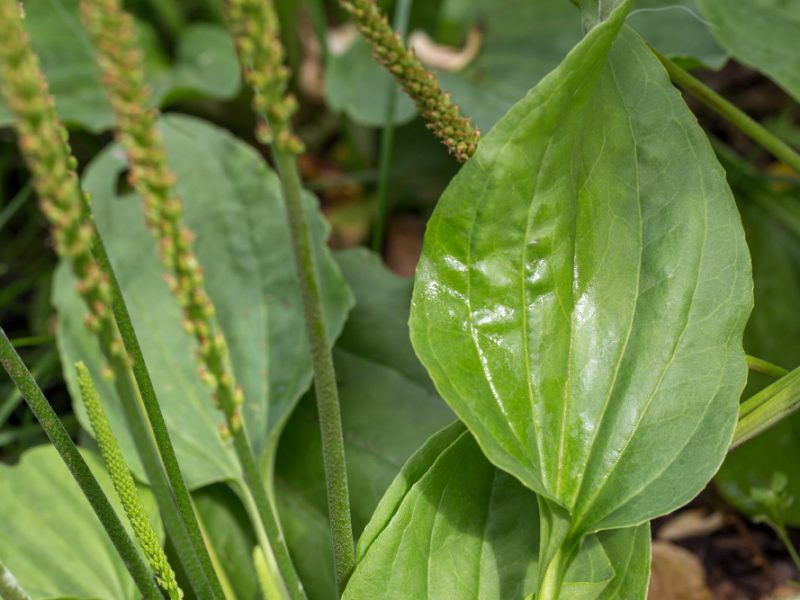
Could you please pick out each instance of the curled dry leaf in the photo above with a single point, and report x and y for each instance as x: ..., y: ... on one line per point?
x: 690, y: 523
x: 677, y: 574
x: 341, y: 38
x: 446, y: 58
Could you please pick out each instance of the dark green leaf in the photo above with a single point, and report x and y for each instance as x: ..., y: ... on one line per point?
x: 584, y: 323
x: 677, y: 29
x: 233, y: 204
x: 761, y: 34
x: 206, y: 65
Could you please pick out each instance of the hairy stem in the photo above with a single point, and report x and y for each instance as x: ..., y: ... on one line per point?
x: 747, y: 125
x: 327, y: 394
x: 80, y: 471
x: 255, y: 28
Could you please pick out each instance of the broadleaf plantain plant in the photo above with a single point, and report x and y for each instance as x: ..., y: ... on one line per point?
x: 580, y: 305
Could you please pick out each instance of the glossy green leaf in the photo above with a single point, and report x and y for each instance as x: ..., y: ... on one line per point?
x: 206, y: 64
x: 761, y: 34
x: 583, y: 289
x: 389, y: 408
x: 49, y: 536
x: 773, y: 333
x: 453, y: 526
x: 233, y: 204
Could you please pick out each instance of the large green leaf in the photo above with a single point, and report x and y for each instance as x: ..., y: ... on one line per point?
x: 583, y: 289
x: 49, y: 536
x: 234, y: 206
x: 773, y: 333
x: 389, y: 408
x: 453, y: 526
x: 761, y: 34
x: 205, y: 64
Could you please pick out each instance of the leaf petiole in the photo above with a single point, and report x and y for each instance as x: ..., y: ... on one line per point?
x: 761, y: 411
x: 759, y: 365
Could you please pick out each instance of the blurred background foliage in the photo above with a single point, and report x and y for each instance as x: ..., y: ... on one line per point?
x: 488, y: 54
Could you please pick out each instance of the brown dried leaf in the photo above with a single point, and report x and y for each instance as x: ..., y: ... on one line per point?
x: 446, y: 58
x: 677, y: 575
x: 690, y: 523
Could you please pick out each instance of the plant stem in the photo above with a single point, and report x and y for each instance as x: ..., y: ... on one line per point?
x: 266, y: 515
x: 325, y: 388
x: 125, y: 486
x: 759, y: 365
x: 66, y: 448
x: 767, y: 407
x: 32, y: 340
x: 402, y: 14
x: 557, y: 548
x: 746, y: 124
x: 15, y: 204
x: 269, y: 584
x: 272, y: 583
x: 780, y: 529
x: 143, y: 439
x: 26, y: 431
x: 223, y: 576
x: 156, y: 419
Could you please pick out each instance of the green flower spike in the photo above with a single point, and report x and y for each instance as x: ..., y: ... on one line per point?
x: 443, y: 115
x: 44, y: 146
x: 125, y: 486
x: 113, y: 34
x: 254, y: 25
